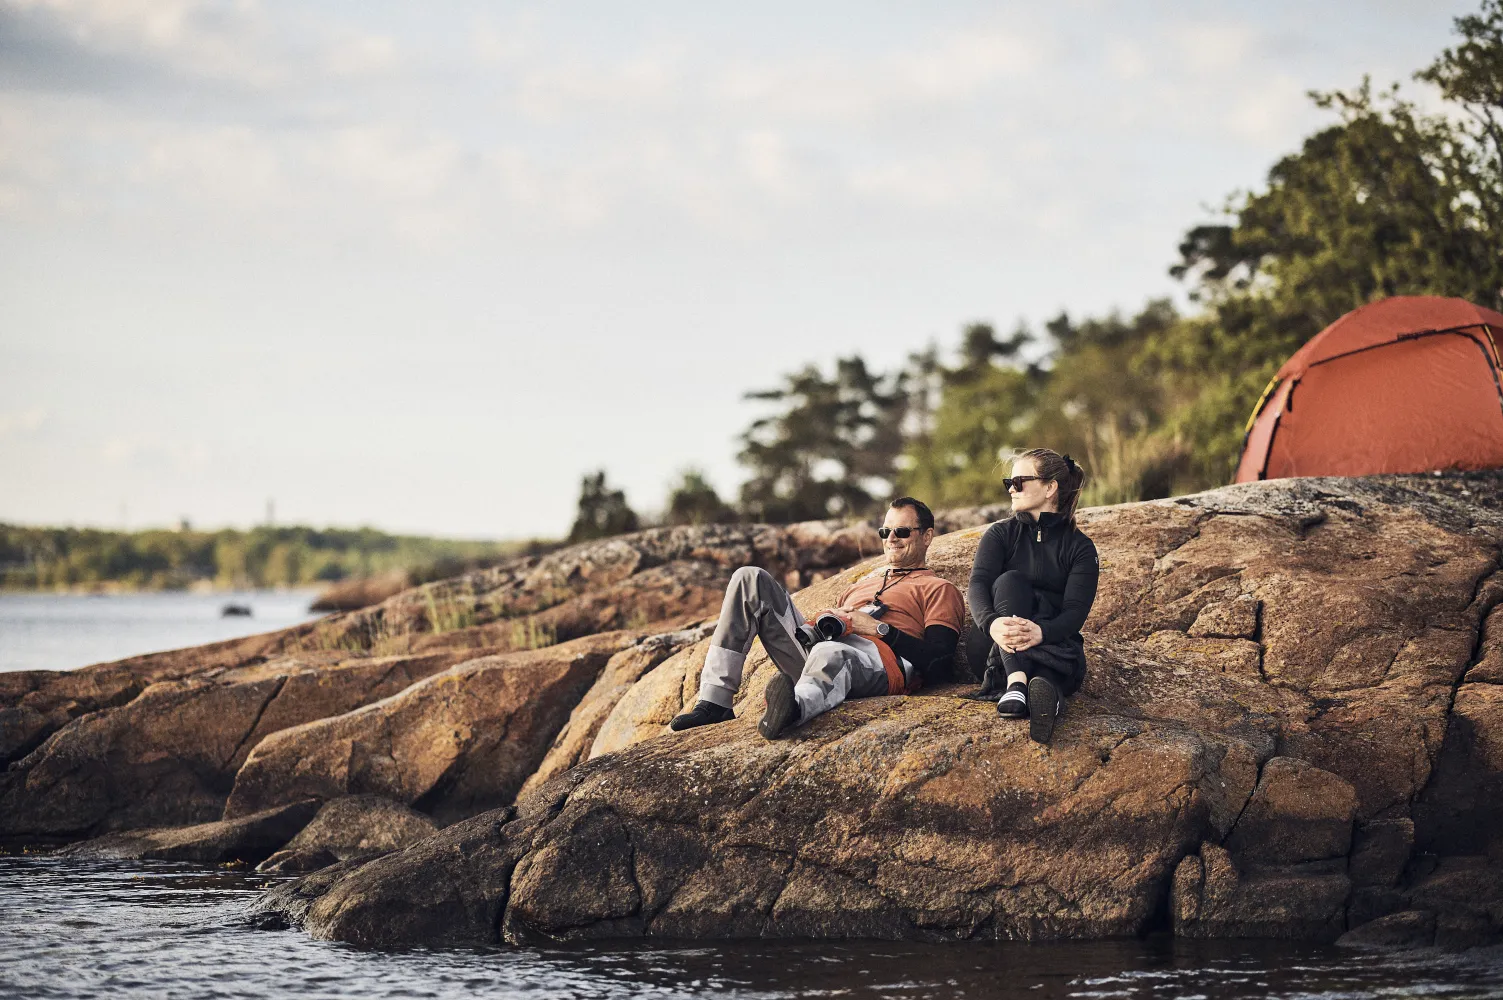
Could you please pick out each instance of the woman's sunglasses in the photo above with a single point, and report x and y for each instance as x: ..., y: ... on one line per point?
x: 882, y: 533
x: 1016, y: 482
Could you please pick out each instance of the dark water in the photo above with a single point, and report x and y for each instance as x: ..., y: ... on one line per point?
x: 71, y: 929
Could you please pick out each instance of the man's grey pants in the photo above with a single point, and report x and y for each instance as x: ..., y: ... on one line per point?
x: 756, y: 605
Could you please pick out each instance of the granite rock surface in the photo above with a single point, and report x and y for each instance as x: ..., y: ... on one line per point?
x: 1289, y: 728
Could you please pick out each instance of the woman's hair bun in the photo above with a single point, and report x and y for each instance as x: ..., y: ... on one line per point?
x: 1064, y: 470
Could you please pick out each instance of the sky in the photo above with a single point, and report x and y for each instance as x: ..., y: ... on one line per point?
x: 424, y: 266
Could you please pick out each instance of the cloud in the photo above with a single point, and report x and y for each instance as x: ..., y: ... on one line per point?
x: 1127, y: 60
x: 766, y: 158
x: 229, y: 166
x: 946, y: 70
x: 103, y: 45
x: 30, y: 155
x: 1213, y: 48
x: 154, y: 452
x: 22, y: 423
x: 637, y: 83
x: 960, y: 66
x: 964, y: 177
x: 1269, y: 114
x: 592, y: 138
x: 36, y: 53
x: 363, y: 55
x: 345, y: 130
x: 388, y: 161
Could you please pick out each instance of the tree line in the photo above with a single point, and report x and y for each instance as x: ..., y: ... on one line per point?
x: 58, y: 558
x: 1387, y: 199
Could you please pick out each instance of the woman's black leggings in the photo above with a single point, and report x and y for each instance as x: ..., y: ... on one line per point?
x: 1013, y: 595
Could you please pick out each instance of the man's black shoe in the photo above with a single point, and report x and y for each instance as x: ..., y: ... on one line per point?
x: 782, y: 707
x: 1014, y: 702
x: 703, y: 714
x: 1043, y: 706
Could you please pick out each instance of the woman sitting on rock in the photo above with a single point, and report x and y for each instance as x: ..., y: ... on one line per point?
x: 1032, y: 586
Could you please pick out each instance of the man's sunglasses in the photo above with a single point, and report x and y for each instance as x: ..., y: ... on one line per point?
x: 882, y: 533
x: 1016, y: 482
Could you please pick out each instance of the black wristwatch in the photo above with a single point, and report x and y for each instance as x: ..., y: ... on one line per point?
x: 883, y: 630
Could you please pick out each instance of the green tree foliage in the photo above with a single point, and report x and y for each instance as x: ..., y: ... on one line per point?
x: 694, y: 501
x: 603, y: 511
x: 1097, y: 395
x: 1471, y: 75
x: 832, y: 448
x: 1387, y: 201
x: 46, y: 558
x: 1106, y: 400
x: 983, y: 411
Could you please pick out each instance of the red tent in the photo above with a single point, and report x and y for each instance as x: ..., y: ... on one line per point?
x: 1409, y: 384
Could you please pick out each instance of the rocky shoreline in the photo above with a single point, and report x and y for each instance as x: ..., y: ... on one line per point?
x: 1291, y: 728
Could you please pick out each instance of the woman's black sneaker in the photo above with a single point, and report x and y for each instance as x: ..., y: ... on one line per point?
x: 1043, y: 706
x: 702, y: 714
x: 1014, y: 703
x: 782, y: 707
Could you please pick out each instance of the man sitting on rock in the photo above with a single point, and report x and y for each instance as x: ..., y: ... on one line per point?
x: 888, y: 629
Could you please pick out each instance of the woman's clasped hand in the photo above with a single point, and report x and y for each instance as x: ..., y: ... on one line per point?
x: 1016, y: 634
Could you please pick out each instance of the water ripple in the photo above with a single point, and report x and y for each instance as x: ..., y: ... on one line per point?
x: 75, y: 930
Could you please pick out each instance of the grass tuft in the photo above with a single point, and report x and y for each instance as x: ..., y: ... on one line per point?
x: 529, y: 634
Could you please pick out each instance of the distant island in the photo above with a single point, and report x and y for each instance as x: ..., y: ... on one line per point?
x: 89, y: 559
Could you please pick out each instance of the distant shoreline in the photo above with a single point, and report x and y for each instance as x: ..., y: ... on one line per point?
x: 118, y: 589
x: 88, y: 560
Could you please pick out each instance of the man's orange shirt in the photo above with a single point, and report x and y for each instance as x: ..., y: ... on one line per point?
x: 915, y: 600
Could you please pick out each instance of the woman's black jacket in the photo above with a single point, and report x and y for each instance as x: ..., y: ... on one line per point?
x: 1058, y: 559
